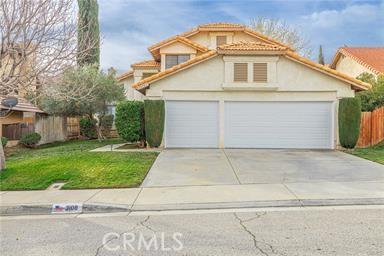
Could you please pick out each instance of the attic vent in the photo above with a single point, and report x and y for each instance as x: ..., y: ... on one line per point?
x: 240, y: 72
x: 260, y: 74
x: 220, y: 40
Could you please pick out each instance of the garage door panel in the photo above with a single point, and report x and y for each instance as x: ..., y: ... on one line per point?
x: 192, y: 124
x: 278, y: 124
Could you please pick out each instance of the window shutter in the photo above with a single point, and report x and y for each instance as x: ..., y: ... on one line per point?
x: 220, y: 40
x: 240, y: 71
x: 260, y: 74
x: 170, y: 61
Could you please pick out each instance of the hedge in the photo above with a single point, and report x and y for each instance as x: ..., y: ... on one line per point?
x: 154, y: 121
x: 349, y: 121
x: 30, y: 140
x: 88, y: 127
x: 4, y: 141
x: 129, y: 120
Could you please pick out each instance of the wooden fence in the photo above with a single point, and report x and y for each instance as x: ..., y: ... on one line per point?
x: 51, y: 128
x: 371, y: 128
x: 73, y: 127
x: 16, y: 131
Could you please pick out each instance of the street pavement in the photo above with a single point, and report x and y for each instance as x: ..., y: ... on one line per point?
x: 348, y: 230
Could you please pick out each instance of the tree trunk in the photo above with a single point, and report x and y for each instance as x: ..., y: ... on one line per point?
x: 2, y: 157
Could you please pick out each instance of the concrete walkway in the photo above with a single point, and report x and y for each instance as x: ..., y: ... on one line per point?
x: 197, y: 197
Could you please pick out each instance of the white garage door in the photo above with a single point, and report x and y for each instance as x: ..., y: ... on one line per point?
x: 192, y: 124
x: 278, y: 124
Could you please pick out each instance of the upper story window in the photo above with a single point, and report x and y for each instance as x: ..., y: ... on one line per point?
x: 220, y: 40
x: 240, y: 72
x: 260, y: 74
x: 173, y: 60
x: 145, y: 75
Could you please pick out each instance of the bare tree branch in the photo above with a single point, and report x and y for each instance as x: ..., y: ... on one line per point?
x: 38, y: 41
x: 283, y: 32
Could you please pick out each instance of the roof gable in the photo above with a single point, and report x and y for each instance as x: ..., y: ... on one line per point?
x: 154, y: 49
x: 251, y: 46
x: 221, y: 26
x: 369, y: 57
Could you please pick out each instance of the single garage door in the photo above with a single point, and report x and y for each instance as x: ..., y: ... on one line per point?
x: 192, y: 124
x: 278, y: 125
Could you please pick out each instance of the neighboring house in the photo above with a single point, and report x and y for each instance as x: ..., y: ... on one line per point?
x: 20, y: 120
x: 354, y: 61
x: 227, y: 86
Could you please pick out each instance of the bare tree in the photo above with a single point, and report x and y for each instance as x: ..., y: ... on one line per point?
x: 38, y: 41
x: 283, y: 32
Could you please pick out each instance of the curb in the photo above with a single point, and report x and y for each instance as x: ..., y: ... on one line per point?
x: 46, y: 209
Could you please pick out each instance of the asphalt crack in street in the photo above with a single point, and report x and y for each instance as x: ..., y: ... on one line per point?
x: 144, y: 223
x: 120, y: 234
x: 255, y: 241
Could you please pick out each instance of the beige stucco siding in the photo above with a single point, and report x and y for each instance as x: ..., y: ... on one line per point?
x: 291, y: 77
x: 295, y: 82
x: 131, y: 93
x: 350, y: 67
x: 208, y: 38
x: 177, y: 48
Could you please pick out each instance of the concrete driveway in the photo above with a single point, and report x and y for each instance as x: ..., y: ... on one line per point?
x: 193, y: 167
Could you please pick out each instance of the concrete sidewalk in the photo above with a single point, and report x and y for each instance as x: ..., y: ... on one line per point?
x: 195, y: 197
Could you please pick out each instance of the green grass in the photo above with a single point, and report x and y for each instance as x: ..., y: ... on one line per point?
x: 32, y: 169
x: 375, y: 153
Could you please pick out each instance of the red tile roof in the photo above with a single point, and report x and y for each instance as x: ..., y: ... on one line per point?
x: 220, y: 26
x: 125, y: 75
x: 154, y: 49
x: 369, y: 57
x: 252, y: 46
x: 147, y: 63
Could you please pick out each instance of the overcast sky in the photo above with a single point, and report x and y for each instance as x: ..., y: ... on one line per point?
x: 128, y: 27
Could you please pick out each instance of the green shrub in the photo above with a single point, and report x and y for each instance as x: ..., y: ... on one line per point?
x: 106, y: 123
x: 30, y: 140
x: 349, y: 121
x: 373, y: 98
x: 88, y: 128
x: 4, y: 141
x: 130, y: 120
x: 154, y: 121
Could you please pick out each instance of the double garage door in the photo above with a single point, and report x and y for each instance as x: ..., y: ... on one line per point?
x: 197, y: 124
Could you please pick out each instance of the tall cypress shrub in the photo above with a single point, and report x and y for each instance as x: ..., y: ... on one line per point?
x: 129, y: 120
x: 154, y: 121
x: 349, y: 121
x: 88, y: 34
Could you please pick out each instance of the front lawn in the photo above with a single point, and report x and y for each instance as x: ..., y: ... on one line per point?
x: 375, y: 153
x: 71, y: 161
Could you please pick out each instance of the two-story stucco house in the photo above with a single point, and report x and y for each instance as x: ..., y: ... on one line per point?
x: 354, y: 61
x: 227, y: 86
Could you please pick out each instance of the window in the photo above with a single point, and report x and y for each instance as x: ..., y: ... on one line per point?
x: 240, y: 72
x: 173, y: 60
x: 220, y: 40
x: 145, y: 75
x: 260, y: 74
